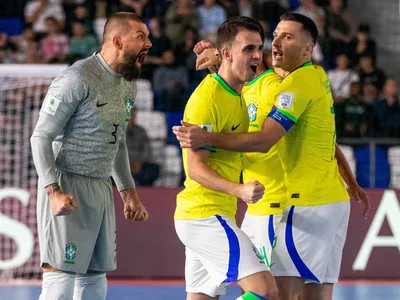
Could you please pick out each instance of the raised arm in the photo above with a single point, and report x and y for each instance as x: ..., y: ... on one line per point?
x: 290, y: 102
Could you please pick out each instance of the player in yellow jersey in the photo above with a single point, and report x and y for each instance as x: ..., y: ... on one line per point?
x: 262, y: 218
x: 313, y: 229
x: 217, y: 251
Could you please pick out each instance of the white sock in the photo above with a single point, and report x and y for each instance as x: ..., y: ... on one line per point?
x: 57, y: 286
x: 91, y: 286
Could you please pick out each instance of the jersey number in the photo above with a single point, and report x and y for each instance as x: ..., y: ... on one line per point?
x: 114, y: 133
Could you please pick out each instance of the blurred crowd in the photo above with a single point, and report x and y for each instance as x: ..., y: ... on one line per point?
x: 64, y: 31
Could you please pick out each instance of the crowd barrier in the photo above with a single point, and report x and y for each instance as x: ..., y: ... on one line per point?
x: 152, y: 249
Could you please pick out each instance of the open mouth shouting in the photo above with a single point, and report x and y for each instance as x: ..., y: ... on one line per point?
x: 140, y: 57
x: 253, y: 67
x: 277, y: 54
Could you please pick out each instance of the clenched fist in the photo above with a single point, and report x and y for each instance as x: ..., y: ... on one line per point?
x: 251, y: 192
x: 133, y: 209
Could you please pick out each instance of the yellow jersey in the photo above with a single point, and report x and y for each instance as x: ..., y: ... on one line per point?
x: 264, y: 167
x: 215, y: 107
x: 304, y: 107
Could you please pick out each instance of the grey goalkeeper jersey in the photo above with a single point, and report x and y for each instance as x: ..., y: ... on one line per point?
x: 85, y: 115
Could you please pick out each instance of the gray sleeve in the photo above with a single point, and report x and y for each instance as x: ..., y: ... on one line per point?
x: 121, y: 172
x: 63, y: 97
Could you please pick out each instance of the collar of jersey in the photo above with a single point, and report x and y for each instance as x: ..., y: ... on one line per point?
x: 260, y: 76
x: 105, y: 65
x: 225, y: 85
x: 307, y: 64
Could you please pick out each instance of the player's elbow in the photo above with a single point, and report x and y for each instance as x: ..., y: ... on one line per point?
x: 194, y: 171
x: 264, y: 147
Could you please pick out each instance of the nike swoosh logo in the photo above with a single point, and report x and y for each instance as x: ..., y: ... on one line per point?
x: 101, y: 104
x: 235, y: 127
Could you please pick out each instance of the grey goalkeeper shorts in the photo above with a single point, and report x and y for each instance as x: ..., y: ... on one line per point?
x: 86, y: 239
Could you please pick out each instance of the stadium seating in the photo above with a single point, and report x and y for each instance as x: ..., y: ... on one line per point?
x: 154, y: 123
x: 144, y: 98
x: 349, y: 154
x: 394, y: 162
x: 171, y: 167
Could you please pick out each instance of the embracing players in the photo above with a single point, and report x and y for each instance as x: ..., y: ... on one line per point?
x: 217, y: 251
x: 301, y: 125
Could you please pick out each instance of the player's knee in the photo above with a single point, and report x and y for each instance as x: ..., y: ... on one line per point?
x: 90, y: 286
x: 262, y: 285
x: 57, y: 285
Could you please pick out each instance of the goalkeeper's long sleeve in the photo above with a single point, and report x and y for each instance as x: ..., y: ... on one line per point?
x: 121, y: 170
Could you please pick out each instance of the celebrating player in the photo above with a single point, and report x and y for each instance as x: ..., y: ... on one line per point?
x: 262, y: 218
x: 217, y: 251
x: 301, y: 124
x: 78, y: 143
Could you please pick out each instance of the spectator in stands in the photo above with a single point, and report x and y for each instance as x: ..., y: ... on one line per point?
x: 341, y: 78
x: 100, y: 19
x: 370, y: 93
x: 270, y: 11
x: 211, y: 15
x: 5, y: 48
x: 338, y: 31
x: 314, y: 12
x: 144, y: 8
x: 267, y: 35
x: 82, y: 44
x: 231, y: 7
x: 170, y: 84
x: 76, y: 10
x: 37, y: 11
x: 81, y: 14
x: 55, y: 45
x: 353, y: 116
x: 369, y: 73
x: 185, y: 56
x: 362, y: 45
x: 161, y: 43
x: 248, y: 8
x: 22, y: 44
x: 387, y: 111
x: 180, y: 15
x: 140, y: 154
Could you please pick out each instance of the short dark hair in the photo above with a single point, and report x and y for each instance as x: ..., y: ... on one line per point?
x: 308, y: 24
x: 120, y: 20
x: 229, y: 29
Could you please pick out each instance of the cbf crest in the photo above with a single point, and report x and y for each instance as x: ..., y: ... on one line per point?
x: 129, y: 102
x: 70, y: 253
x: 252, y: 111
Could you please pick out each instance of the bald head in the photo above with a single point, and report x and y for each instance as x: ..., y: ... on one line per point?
x: 119, y: 24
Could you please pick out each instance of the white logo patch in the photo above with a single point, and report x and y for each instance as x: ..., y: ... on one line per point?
x: 51, y: 105
x: 206, y: 127
x: 285, y: 100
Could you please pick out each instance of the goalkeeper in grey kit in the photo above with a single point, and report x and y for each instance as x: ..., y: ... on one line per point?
x: 80, y: 142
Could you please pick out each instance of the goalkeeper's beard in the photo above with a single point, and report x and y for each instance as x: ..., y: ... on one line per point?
x: 129, y: 69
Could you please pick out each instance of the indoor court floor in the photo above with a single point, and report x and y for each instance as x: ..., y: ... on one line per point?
x: 174, y: 290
